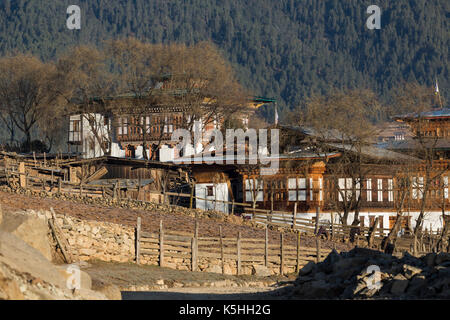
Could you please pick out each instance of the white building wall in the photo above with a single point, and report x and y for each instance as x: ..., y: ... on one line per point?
x: 220, y: 192
x: 432, y: 219
x: 90, y: 147
x: 116, y: 151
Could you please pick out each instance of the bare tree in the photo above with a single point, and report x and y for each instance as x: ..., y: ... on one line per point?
x: 412, y: 102
x: 343, y: 122
x: 87, y: 85
x: 27, y: 93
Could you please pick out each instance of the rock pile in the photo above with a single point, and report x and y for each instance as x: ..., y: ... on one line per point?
x: 368, y: 274
x: 26, y: 267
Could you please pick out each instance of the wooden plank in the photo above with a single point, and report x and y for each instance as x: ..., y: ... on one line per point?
x: 149, y: 235
x: 281, y: 253
x: 161, y: 244
x: 138, y: 240
x: 186, y: 244
x: 318, y: 250
x: 297, y: 268
x: 203, y: 254
x: 177, y: 255
x: 149, y: 252
x: 294, y: 217
x: 266, y: 247
x: 148, y: 240
x: 222, y: 260
x: 238, y: 248
x: 194, y: 261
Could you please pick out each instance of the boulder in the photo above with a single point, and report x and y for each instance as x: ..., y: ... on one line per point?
x: 442, y: 258
x: 31, y: 229
x: 319, y: 289
x: 260, y: 271
x: 307, y: 268
x: 430, y: 259
x: 23, y: 258
x: 9, y: 289
x: 416, y: 284
x: 410, y: 271
x: 399, y: 285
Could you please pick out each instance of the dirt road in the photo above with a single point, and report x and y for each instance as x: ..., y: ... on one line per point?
x: 264, y: 293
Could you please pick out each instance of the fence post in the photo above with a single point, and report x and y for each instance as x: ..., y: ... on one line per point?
x: 316, y: 229
x: 81, y: 189
x: 59, y: 185
x: 266, y: 248
x: 373, y: 231
x: 318, y: 250
x: 415, y: 245
x: 194, y: 248
x: 22, y: 178
x: 294, y: 218
x: 332, y: 225
x: 232, y: 207
x: 138, y: 240
x: 139, y: 188
x: 161, y: 244
x: 221, y: 250
x: 238, y: 246
x: 281, y: 254
x: 297, y: 267
x: 191, y: 199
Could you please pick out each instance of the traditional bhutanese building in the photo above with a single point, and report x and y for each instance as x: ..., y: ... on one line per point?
x: 433, y: 128
x: 122, y: 130
x: 307, y: 179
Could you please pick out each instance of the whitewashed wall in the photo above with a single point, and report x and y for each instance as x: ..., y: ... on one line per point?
x: 220, y: 191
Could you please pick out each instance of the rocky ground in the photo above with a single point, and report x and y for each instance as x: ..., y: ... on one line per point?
x: 153, y: 282
x: 349, y: 275
x: 174, y: 218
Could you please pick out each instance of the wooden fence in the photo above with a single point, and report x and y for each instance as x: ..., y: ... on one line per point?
x: 242, y: 251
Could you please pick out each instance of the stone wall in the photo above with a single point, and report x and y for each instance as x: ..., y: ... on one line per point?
x: 94, y: 239
x: 88, y: 240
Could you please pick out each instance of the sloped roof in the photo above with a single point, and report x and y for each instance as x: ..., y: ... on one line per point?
x: 410, y: 144
x: 375, y: 152
x: 332, y: 134
x: 432, y: 114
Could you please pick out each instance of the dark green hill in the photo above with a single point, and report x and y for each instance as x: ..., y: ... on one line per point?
x: 280, y: 48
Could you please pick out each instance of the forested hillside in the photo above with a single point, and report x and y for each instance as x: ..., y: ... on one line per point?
x: 285, y: 49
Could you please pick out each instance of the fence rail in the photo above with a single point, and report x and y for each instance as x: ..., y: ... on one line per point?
x: 241, y: 251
